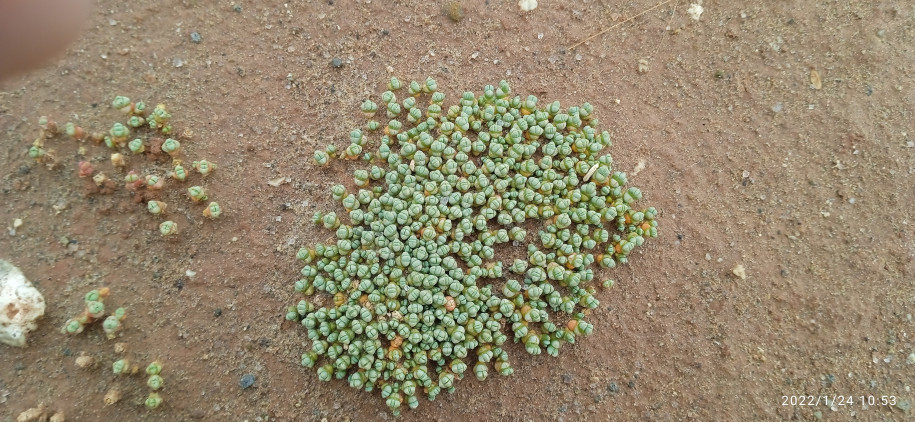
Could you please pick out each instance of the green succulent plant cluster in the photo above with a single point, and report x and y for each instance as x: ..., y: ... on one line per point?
x: 95, y: 311
x: 414, y: 291
x: 143, y: 125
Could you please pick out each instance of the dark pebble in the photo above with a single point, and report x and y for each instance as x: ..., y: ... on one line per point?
x: 179, y: 283
x: 631, y: 384
x: 567, y: 378
x: 613, y: 387
x: 217, y: 312
x: 195, y: 37
x: 68, y: 352
x: 236, y: 8
x: 247, y: 381
x: 24, y: 169
x: 336, y: 62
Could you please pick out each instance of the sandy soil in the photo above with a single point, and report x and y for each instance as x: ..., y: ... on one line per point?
x: 810, y: 190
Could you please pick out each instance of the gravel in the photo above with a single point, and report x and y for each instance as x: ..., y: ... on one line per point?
x: 247, y: 381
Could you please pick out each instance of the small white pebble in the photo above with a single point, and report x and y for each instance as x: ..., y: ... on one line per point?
x: 540, y: 36
x: 527, y: 5
x: 695, y: 11
x: 851, y: 200
x: 643, y: 66
x: 17, y: 223
x: 234, y: 239
x: 740, y: 272
x: 190, y: 273
x: 639, y: 166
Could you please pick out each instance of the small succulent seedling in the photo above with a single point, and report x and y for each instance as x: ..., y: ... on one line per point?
x: 155, y: 382
x: 171, y: 147
x: 321, y: 158
x: 136, y: 121
x: 394, y: 84
x: 136, y: 146
x: 168, y: 228
x: 119, y: 133
x: 37, y: 153
x: 74, y: 131
x: 154, y: 368
x: 154, y: 182
x: 179, y: 173
x: 48, y: 126
x: 122, y: 104
x: 213, y: 210
x: 139, y: 109
x: 196, y: 193
x: 133, y: 181
x: 204, y: 167
x: 123, y: 367
x: 153, y: 401
x: 156, y: 207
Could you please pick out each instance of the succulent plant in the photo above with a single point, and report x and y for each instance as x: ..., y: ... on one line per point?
x: 419, y: 296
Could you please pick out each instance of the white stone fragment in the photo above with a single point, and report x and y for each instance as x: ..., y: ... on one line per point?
x: 20, y: 305
x: 527, y: 5
x: 695, y: 10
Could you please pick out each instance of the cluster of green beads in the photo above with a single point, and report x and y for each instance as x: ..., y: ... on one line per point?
x: 418, y: 291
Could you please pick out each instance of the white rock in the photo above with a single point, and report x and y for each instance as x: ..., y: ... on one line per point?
x: 527, y: 5
x: 20, y: 305
x: 695, y: 10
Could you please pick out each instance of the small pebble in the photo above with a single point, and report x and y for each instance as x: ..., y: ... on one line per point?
x: 777, y: 108
x: 613, y: 388
x: 247, y: 381
x: 217, y: 312
x: 567, y: 378
x: 336, y: 62
x: 643, y: 66
x: 740, y: 272
x: 911, y: 359
x: 195, y: 37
